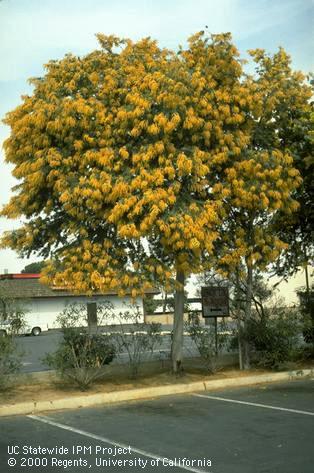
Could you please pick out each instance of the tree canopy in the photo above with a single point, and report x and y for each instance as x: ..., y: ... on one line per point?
x: 133, y: 160
x: 123, y: 145
x: 286, y: 123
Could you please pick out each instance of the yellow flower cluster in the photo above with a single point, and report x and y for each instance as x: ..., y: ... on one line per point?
x: 150, y: 145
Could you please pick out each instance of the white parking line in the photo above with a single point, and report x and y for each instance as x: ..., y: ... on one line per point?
x: 47, y: 420
x: 266, y: 406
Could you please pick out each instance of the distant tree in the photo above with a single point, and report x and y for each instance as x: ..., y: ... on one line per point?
x: 262, y: 186
x: 293, y: 120
x: 34, y: 267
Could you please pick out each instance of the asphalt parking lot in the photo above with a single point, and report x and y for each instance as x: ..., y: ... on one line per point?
x: 264, y: 429
x: 35, y: 348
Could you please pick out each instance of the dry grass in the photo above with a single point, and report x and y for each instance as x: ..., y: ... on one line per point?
x: 117, y: 379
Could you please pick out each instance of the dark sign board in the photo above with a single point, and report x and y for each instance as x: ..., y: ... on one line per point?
x: 215, y: 301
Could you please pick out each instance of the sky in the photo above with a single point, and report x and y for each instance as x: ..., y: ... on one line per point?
x: 32, y: 32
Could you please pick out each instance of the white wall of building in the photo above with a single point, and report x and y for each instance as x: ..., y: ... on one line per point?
x: 287, y: 290
x: 43, y: 312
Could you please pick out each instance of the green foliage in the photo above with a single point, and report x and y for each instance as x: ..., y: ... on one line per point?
x: 12, y: 320
x: 306, y: 353
x: 276, y: 338
x: 137, y: 339
x: 35, y: 268
x: 204, y: 340
x: 80, y: 356
x: 307, y: 309
x: 150, y: 304
x: 10, y: 361
x: 12, y: 314
x: 298, y: 135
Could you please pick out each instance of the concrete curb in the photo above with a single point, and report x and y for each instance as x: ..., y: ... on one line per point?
x: 89, y: 400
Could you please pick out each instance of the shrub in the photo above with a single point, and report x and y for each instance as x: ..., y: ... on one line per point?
x: 276, y: 338
x: 10, y: 361
x: 12, y: 317
x: 307, y: 310
x: 75, y: 315
x: 135, y: 338
x: 204, y: 340
x: 80, y: 357
x: 308, y: 334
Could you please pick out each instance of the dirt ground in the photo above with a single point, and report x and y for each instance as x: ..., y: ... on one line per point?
x: 117, y: 379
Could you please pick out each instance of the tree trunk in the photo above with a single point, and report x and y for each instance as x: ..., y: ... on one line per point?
x: 240, y: 348
x: 239, y: 323
x: 177, y: 338
x: 92, y: 317
x: 247, y: 314
x: 309, y: 303
x: 164, y: 306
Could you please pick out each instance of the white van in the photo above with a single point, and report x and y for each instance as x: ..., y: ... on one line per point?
x: 32, y: 326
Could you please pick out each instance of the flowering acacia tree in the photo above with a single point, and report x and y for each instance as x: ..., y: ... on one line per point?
x: 121, y: 155
x: 117, y: 153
